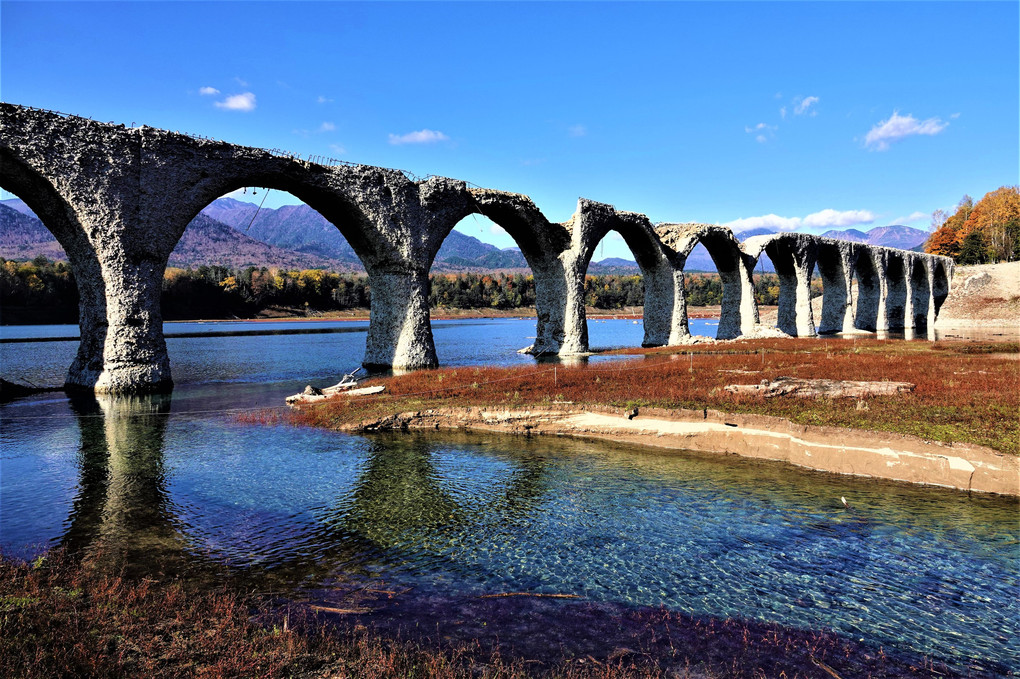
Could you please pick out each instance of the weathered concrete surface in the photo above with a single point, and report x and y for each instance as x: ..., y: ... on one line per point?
x: 118, y: 199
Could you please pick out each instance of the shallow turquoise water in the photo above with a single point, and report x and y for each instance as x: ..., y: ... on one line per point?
x: 912, y: 569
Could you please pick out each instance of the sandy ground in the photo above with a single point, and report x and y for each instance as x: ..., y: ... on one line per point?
x: 830, y: 449
x: 986, y: 295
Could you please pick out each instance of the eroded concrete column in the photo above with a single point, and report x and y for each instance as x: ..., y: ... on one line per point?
x: 134, y: 353
x: 739, y: 313
x: 794, y: 259
x: 399, y: 332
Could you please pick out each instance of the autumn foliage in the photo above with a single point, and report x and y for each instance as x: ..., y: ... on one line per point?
x: 986, y: 232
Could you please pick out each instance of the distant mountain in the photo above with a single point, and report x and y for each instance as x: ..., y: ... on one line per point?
x: 852, y: 235
x: 211, y: 242
x: 616, y: 266
x: 205, y: 241
x: 897, y: 236
x: 23, y: 237
x: 19, y: 205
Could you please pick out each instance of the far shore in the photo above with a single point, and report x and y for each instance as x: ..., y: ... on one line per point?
x: 446, y: 314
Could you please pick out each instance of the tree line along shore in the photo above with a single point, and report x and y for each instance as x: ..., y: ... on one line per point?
x: 44, y: 291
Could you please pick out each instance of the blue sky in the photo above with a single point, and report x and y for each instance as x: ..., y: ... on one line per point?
x: 809, y: 115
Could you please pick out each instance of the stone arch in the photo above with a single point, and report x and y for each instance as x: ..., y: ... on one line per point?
x: 544, y: 245
x: 869, y: 291
x: 793, y: 256
x: 657, y: 272
x: 835, y: 262
x: 57, y: 215
x: 390, y: 221
x: 739, y: 314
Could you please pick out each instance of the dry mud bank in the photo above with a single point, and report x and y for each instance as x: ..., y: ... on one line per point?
x: 831, y: 449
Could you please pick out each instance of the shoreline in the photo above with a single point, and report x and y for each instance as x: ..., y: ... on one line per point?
x: 837, y: 450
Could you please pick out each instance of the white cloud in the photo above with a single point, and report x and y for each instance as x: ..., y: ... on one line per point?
x: 327, y: 127
x: 765, y: 131
x: 834, y: 219
x: 238, y: 102
x: 322, y: 100
x: 577, y: 130
x: 954, y: 116
x: 419, y: 137
x: 208, y: 91
x: 782, y: 112
x: 816, y: 221
x: 497, y: 230
x: 801, y: 106
x: 911, y: 218
x: 242, y: 83
x: 337, y: 149
x: 897, y: 127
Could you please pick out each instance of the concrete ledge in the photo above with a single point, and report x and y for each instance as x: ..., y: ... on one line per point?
x: 831, y: 449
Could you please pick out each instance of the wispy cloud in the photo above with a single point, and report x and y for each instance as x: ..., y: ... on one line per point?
x: 322, y: 100
x: 327, y: 127
x: 897, y: 127
x: 762, y: 131
x: 238, y: 102
x: 801, y: 106
x: 911, y: 218
x: 816, y: 221
x: 208, y: 91
x: 239, y: 81
x: 577, y: 130
x: 337, y: 149
x: 419, y: 137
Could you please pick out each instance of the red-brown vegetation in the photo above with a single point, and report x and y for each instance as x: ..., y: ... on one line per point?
x: 965, y: 392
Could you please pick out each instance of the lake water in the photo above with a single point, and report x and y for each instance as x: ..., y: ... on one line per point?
x: 178, y: 480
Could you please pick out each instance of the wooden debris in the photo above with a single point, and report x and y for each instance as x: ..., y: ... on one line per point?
x: 820, y: 388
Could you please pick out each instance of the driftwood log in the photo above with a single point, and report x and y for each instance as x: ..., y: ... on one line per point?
x: 819, y: 388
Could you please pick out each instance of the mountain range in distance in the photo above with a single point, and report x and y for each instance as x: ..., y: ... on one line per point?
x: 237, y: 234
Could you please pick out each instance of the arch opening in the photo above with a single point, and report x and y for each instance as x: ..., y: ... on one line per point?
x: 738, y: 314
x: 896, y: 295
x: 647, y: 281
x: 920, y: 295
x: 835, y: 270
x: 869, y: 293
x: 38, y: 211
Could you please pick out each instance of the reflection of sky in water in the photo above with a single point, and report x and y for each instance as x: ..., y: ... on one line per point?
x: 910, y: 568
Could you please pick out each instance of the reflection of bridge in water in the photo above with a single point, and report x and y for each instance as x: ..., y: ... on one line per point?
x: 125, y: 513
x: 118, y: 199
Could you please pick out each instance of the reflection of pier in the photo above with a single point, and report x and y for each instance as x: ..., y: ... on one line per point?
x: 118, y: 200
x: 124, y: 514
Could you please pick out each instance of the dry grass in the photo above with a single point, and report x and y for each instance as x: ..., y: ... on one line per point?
x: 966, y: 392
x: 63, y: 618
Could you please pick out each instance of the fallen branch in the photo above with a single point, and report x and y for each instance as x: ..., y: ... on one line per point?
x: 803, y: 388
x: 534, y: 594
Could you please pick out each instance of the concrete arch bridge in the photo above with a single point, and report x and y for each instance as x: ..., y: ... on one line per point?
x: 118, y: 199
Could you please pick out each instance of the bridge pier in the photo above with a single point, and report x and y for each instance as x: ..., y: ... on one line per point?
x: 134, y: 353
x: 399, y: 330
